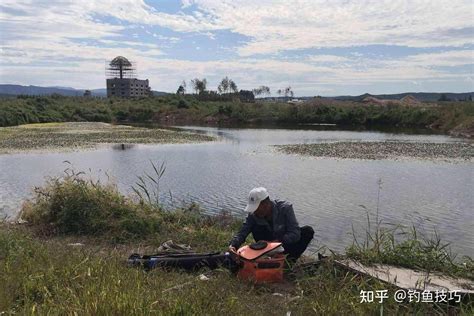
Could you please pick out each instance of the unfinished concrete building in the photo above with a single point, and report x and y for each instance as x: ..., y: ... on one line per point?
x: 122, y: 81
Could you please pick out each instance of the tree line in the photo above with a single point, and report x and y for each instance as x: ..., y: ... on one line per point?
x: 228, y: 86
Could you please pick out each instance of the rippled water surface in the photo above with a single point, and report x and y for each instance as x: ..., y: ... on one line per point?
x: 329, y: 194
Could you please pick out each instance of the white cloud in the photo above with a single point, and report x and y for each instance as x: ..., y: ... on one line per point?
x: 446, y: 59
x: 186, y: 3
x: 281, y: 25
x: 272, y: 26
x: 165, y: 74
x: 327, y: 59
x: 41, y: 21
x: 54, y: 42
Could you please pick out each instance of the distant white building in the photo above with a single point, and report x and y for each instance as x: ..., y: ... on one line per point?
x: 295, y: 101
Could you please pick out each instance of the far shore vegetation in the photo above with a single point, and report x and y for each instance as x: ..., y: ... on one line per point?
x: 456, y: 118
x: 83, y: 135
x: 69, y: 258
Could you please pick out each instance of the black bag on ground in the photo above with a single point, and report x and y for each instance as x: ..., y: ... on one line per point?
x: 187, y: 261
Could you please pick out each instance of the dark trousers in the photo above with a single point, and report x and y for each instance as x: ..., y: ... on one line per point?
x: 294, y: 250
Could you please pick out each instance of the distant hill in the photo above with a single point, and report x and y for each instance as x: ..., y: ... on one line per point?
x: 13, y: 90
x: 420, y: 96
x: 65, y: 88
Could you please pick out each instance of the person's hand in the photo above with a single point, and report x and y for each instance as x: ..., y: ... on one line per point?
x: 232, y: 249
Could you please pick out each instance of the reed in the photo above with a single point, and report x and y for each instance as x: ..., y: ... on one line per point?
x: 406, y: 246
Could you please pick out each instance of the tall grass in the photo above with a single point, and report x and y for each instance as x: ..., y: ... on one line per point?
x: 404, y: 246
x: 48, y: 276
x: 73, y: 204
x: 147, y: 187
x: 41, y: 278
x: 76, y: 205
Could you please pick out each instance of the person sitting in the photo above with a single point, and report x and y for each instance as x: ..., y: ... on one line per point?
x: 273, y: 220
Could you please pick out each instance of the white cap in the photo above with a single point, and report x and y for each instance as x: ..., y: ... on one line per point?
x: 256, y: 196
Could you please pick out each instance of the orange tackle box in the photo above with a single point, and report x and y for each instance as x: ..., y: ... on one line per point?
x: 261, y: 262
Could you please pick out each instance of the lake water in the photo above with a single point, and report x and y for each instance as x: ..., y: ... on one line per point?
x: 329, y: 194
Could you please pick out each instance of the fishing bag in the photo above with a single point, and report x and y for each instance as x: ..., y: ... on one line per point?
x: 261, y: 262
x: 186, y: 261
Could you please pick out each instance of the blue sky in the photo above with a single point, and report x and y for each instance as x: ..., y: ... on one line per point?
x: 317, y: 47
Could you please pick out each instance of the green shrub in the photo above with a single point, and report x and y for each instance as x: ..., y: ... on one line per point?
x: 73, y: 205
x: 225, y: 110
x: 182, y: 104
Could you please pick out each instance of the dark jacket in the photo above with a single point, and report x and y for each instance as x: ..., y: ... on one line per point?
x: 285, y: 226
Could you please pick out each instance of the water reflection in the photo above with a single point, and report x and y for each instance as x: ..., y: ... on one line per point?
x: 122, y: 146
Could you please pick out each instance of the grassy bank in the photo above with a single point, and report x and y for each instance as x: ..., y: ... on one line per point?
x: 49, y: 277
x: 73, y: 135
x: 457, y: 117
x: 42, y: 273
